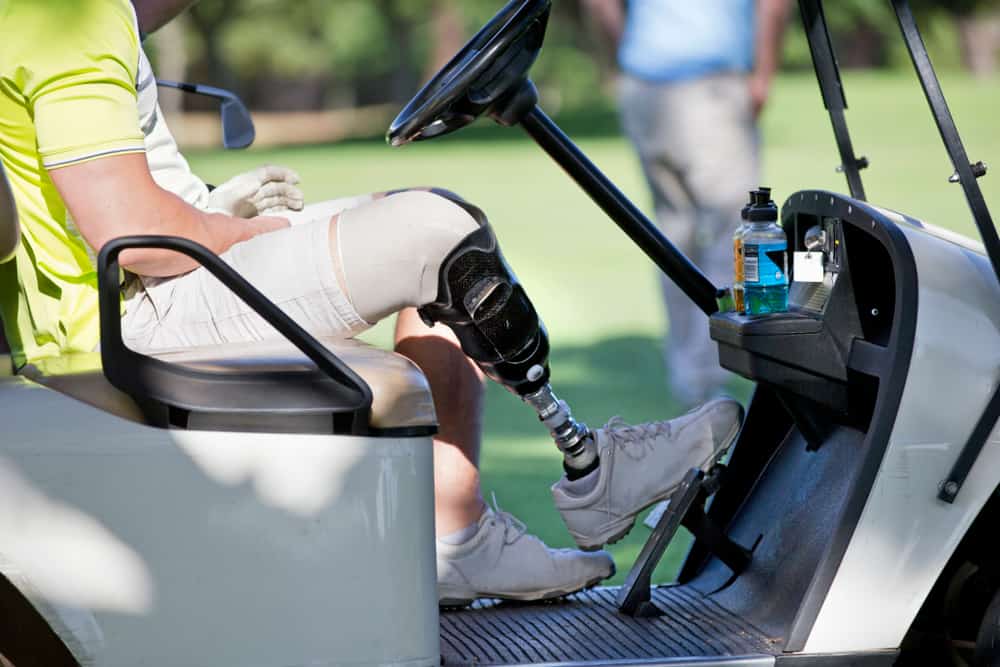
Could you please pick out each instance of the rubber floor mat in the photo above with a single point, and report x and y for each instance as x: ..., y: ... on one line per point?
x: 587, y: 627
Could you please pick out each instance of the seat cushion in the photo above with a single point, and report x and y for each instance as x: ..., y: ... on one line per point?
x: 285, y: 383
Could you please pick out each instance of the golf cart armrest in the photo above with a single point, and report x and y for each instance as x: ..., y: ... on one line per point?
x: 163, y: 387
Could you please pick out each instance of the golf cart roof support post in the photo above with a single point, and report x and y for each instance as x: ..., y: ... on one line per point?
x: 950, y: 487
x: 949, y: 132
x: 630, y: 219
x: 832, y: 90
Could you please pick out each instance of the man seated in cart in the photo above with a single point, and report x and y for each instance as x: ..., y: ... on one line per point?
x: 86, y: 167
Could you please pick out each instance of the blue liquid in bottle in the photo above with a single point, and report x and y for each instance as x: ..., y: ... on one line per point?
x: 765, y: 258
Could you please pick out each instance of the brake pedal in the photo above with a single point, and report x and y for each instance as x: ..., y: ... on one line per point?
x: 635, y: 598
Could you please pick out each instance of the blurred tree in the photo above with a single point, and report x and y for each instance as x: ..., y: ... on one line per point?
x: 208, y: 19
x: 168, y: 49
x: 861, y: 30
x: 977, y: 26
x: 336, y: 53
x: 448, y: 34
x: 399, y: 17
x: 321, y: 53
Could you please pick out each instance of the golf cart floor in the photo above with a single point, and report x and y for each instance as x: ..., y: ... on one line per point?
x: 587, y: 627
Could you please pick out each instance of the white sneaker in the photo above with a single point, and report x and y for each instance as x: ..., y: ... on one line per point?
x: 641, y: 465
x: 502, y: 561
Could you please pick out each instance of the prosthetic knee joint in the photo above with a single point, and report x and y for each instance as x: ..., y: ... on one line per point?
x: 480, y: 299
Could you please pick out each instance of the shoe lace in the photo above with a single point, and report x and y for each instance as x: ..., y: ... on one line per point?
x: 635, y: 439
x: 511, y: 524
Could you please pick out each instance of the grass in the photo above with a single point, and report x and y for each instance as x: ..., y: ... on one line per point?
x: 596, y: 292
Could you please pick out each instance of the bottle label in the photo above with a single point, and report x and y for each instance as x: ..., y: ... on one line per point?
x: 738, y: 259
x: 764, y: 264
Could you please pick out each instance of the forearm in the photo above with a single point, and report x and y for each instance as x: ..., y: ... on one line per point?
x: 610, y: 18
x: 772, y: 16
x: 154, y: 14
x: 174, y: 217
x: 116, y: 196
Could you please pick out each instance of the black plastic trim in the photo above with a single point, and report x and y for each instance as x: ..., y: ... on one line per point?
x: 743, y: 470
x: 136, y: 374
x: 971, y: 450
x: 832, y: 89
x: 896, y: 365
x: 868, y: 358
x: 26, y: 639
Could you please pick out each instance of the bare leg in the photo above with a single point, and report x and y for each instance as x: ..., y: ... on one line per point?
x: 457, y: 386
x: 481, y: 552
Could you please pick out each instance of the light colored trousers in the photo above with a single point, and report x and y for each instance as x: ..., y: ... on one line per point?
x: 698, y: 146
x: 386, y: 256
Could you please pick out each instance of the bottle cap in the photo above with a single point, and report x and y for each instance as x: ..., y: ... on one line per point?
x: 762, y: 208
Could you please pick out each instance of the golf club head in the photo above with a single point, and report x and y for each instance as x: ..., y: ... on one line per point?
x: 237, y: 125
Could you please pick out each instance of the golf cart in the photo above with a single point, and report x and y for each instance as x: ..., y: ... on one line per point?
x: 190, y: 515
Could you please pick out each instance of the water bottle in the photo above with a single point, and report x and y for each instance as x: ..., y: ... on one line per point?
x: 765, y: 257
x: 738, y: 274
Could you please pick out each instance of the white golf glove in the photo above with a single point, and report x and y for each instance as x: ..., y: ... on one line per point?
x: 263, y: 191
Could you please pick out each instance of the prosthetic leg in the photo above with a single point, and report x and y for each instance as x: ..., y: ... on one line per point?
x: 480, y: 299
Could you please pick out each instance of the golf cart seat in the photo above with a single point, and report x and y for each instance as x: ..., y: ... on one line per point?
x: 263, y: 387
x: 257, y: 493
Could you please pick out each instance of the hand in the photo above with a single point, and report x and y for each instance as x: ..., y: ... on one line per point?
x: 262, y: 224
x: 760, y: 88
x: 268, y: 189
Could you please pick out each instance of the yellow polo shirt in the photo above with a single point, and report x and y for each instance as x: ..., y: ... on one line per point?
x: 67, y: 94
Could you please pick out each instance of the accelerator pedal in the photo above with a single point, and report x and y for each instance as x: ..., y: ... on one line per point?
x: 686, y: 507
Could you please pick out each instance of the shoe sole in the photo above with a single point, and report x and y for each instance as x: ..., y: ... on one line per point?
x: 462, y: 601
x: 624, y: 526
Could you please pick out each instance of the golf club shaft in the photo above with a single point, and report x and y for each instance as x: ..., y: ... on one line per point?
x: 630, y: 219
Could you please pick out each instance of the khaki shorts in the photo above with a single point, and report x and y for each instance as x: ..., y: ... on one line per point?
x: 292, y: 267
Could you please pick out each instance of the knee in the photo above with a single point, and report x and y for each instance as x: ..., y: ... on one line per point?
x: 432, y: 216
x: 392, y: 250
x: 441, y: 192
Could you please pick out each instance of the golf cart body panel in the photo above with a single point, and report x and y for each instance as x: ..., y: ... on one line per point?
x: 906, y: 534
x: 143, y: 545
x: 889, y: 536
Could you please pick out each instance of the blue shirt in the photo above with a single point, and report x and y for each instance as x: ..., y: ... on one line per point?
x: 672, y: 40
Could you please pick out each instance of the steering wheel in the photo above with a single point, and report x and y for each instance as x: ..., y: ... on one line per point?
x: 488, y: 70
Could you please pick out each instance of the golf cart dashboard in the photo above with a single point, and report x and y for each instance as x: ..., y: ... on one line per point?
x: 834, y: 343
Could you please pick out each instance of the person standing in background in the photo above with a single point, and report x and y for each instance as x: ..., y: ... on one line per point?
x: 695, y: 77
